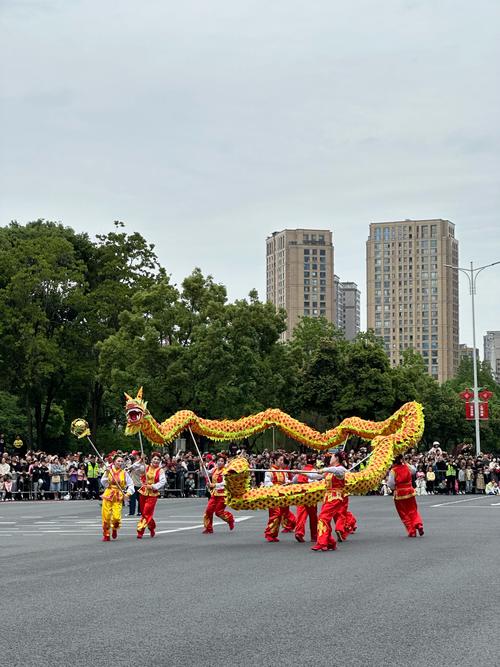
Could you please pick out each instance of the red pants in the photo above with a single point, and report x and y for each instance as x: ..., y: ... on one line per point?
x: 300, y: 527
x: 332, y: 509
x: 279, y: 516
x: 216, y: 505
x: 346, y: 521
x: 147, y: 506
x: 409, y: 514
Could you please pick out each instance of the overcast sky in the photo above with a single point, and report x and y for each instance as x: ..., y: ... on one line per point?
x: 208, y: 125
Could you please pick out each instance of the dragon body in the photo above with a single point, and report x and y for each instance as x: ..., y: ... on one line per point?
x: 388, y: 438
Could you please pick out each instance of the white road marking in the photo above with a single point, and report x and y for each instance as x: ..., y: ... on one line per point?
x: 455, y: 502
x: 4, y: 523
x: 200, y: 525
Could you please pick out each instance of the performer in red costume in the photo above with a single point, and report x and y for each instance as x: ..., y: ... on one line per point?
x: 152, y: 480
x: 304, y: 511
x: 399, y: 481
x: 333, y: 505
x: 216, y: 504
x: 278, y: 515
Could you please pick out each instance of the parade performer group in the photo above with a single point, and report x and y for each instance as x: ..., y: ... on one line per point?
x: 230, y: 480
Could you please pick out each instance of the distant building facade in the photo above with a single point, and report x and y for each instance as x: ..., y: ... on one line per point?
x: 412, y: 296
x: 466, y: 352
x: 492, y: 352
x: 348, y: 307
x: 299, y: 274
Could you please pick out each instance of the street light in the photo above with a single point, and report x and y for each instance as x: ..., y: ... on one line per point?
x: 472, y: 274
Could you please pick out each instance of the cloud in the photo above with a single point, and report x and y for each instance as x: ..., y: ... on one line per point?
x: 206, y: 126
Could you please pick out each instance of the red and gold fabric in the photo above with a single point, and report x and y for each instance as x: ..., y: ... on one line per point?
x: 278, y: 516
x: 304, y: 512
x: 216, y: 505
x: 333, y: 509
x: 151, y: 476
x: 405, y: 501
x: 147, y: 506
x: 218, y: 482
x: 116, y: 485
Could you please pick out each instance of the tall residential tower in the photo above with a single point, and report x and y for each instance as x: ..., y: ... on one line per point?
x: 299, y: 266
x: 412, y: 297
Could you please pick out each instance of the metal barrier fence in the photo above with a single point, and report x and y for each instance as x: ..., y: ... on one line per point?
x: 27, y: 489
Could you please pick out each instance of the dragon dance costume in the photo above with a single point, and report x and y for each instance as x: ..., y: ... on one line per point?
x: 333, y: 508
x: 400, y: 480
x: 278, y: 515
x: 152, y: 480
x: 117, y: 485
x: 305, y: 511
x: 217, y: 503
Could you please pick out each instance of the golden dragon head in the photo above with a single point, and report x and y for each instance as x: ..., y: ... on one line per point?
x: 136, y: 411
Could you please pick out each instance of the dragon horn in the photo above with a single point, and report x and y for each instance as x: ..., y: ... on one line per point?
x: 139, y: 394
x: 128, y: 397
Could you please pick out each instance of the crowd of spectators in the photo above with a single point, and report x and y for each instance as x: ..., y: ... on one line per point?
x: 37, y: 475
x: 458, y: 473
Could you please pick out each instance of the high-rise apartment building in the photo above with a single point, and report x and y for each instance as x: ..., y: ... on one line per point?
x: 492, y: 352
x: 412, y: 297
x: 300, y: 274
x: 350, y: 310
x: 347, y: 299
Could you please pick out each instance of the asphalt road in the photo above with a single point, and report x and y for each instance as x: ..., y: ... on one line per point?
x: 231, y: 598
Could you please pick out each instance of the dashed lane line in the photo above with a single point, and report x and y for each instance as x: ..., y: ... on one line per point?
x: 200, y: 525
x: 455, y: 502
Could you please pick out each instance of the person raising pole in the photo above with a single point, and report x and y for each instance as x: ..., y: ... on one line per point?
x: 305, y: 511
x: 152, y: 480
x: 217, y: 502
x: 277, y: 475
x: 117, y: 486
x: 333, y: 506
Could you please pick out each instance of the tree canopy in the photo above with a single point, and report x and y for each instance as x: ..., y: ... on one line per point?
x: 83, y: 321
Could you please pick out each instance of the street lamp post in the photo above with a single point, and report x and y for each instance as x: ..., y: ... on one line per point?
x: 472, y: 274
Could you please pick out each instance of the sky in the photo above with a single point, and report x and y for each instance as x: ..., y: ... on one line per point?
x: 207, y: 125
